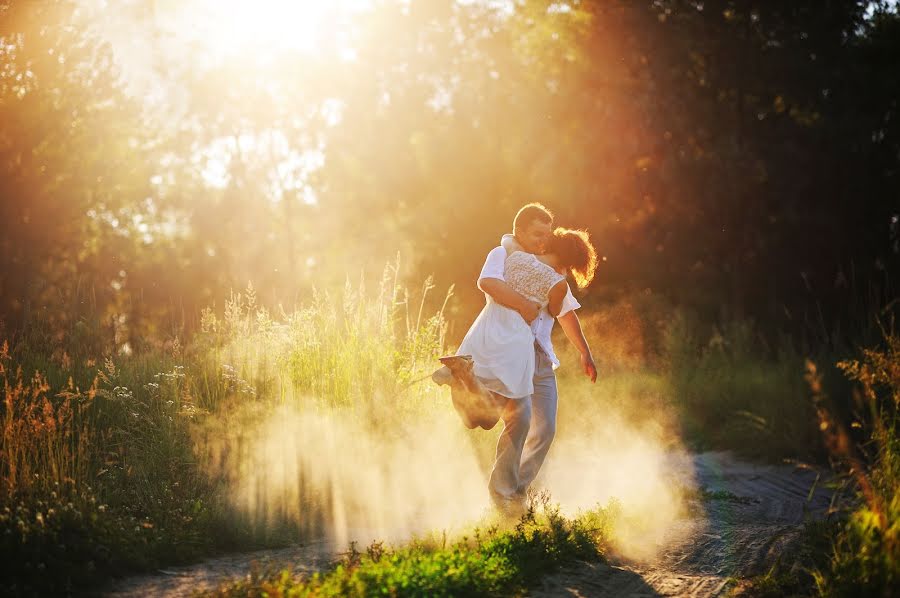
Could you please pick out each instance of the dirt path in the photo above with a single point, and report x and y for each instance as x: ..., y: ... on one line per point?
x: 208, y: 575
x: 750, y: 514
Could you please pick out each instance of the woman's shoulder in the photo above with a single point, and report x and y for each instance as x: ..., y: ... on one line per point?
x: 520, y: 255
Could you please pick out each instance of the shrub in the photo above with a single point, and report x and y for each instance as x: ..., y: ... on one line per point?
x: 496, y: 563
x: 865, y: 558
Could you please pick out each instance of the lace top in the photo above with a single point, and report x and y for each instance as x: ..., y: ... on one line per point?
x: 530, y: 277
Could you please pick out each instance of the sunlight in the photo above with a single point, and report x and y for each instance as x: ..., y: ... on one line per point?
x: 241, y: 38
x: 285, y: 169
x: 230, y: 27
x: 151, y: 45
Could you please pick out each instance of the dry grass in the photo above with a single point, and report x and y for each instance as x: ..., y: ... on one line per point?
x: 49, y: 439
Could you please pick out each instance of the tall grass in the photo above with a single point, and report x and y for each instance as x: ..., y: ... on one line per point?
x: 856, y: 550
x: 46, y: 441
x: 113, y: 462
x: 339, y: 348
x: 108, y: 449
x: 734, y: 391
x: 726, y: 386
x: 865, y: 554
x: 96, y: 479
x: 312, y: 421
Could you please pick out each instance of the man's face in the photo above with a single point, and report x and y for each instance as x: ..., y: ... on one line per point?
x: 533, y: 238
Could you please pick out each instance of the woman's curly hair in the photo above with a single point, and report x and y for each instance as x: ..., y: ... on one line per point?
x: 575, y: 252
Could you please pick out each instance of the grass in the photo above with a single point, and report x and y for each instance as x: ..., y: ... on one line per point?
x: 733, y: 392
x: 726, y: 386
x: 101, y: 467
x: 113, y: 463
x: 723, y: 387
x: 865, y: 555
x: 489, y: 563
x: 99, y: 481
x: 730, y: 389
x: 856, y: 551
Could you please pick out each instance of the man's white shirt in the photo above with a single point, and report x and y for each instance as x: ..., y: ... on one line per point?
x: 542, y: 326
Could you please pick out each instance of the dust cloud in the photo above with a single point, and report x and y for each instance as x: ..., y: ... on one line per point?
x: 380, y: 472
x: 337, y: 475
x: 608, y: 457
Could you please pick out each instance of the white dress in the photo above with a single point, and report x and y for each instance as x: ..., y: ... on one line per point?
x: 500, y: 342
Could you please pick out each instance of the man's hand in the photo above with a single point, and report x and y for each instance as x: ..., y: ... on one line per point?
x: 588, y: 367
x: 529, y: 311
x: 507, y: 297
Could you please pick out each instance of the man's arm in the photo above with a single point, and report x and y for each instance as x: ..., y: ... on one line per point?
x: 505, y: 295
x: 491, y: 281
x: 572, y: 327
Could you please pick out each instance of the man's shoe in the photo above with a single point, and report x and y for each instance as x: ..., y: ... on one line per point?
x: 508, y: 507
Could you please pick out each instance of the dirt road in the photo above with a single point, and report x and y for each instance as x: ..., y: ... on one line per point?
x: 746, y: 516
x: 749, y: 516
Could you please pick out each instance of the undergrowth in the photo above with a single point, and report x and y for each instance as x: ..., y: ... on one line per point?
x: 99, y: 469
x: 491, y: 562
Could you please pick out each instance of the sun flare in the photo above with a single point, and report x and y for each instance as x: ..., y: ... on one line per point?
x: 225, y: 28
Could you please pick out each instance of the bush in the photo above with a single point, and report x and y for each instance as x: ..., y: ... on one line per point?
x: 67, y: 541
x: 498, y: 563
x: 865, y: 558
x: 97, y: 482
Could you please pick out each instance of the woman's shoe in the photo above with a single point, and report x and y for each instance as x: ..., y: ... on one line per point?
x: 476, y: 405
x: 442, y: 376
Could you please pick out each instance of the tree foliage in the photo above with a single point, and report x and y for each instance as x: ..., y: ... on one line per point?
x: 737, y: 156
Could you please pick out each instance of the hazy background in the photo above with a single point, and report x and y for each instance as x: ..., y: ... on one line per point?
x: 737, y: 158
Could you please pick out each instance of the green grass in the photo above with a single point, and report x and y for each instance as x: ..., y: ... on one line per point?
x: 105, y: 463
x: 733, y: 392
x: 99, y: 480
x: 865, y: 555
x: 489, y: 563
x: 729, y: 389
x: 723, y: 385
x: 102, y: 470
x: 855, y: 552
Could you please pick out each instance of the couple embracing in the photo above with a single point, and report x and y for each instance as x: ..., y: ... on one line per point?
x: 512, y: 357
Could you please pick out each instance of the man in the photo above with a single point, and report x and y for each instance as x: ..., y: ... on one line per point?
x: 529, y: 424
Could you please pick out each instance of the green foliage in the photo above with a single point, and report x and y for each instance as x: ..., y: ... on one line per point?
x: 865, y: 559
x: 354, y: 347
x: 855, y: 551
x: 494, y: 563
x: 68, y: 541
x: 739, y: 189
x: 99, y: 481
x: 102, y: 470
x: 731, y: 392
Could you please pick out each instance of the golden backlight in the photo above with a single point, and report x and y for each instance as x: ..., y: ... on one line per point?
x: 226, y: 28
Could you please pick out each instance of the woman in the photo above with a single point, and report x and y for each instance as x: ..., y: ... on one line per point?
x: 500, y: 342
